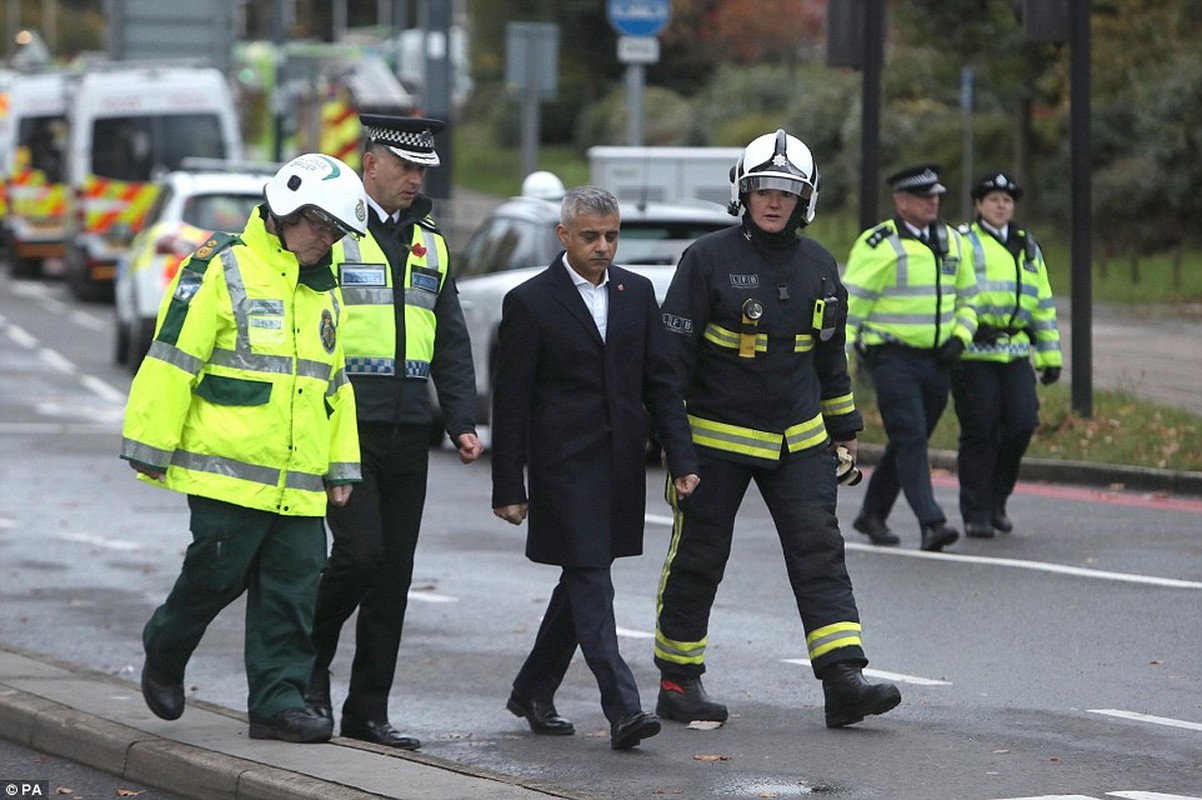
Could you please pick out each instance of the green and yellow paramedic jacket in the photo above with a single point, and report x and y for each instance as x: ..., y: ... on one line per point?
x: 397, y: 339
x: 903, y: 292
x: 757, y: 341
x: 1015, y: 306
x: 243, y: 396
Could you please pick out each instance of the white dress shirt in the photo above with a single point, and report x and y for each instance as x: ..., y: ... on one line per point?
x: 596, y: 298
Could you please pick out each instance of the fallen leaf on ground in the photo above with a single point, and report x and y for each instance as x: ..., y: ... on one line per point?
x: 704, y: 725
x: 710, y: 757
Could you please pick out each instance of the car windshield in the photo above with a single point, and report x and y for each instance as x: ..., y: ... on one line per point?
x: 220, y: 212
x: 659, y: 242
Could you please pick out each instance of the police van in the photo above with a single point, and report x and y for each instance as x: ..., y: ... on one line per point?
x: 129, y: 125
x: 33, y: 142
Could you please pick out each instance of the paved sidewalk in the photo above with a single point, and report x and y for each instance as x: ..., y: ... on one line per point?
x: 102, y: 722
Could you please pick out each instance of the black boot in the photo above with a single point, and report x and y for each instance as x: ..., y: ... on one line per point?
x: 875, y: 529
x: 849, y: 698
x: 938, y: 536
x: 683, y: 699
x: 317, y: 694
x: 1001, y: 521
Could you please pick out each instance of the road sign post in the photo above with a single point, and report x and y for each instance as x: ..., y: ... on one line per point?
x: 637, y: 23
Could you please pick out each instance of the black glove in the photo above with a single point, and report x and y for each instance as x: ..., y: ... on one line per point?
x: 949, y: 352
x: 1050, y: 375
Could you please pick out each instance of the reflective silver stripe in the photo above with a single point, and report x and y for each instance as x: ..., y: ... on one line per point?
x: 859, y: 291
x: 252, y: 362
x: 431, y: 249
x: 909, y: 291
x: 304, y: 481
x: 237, y: 290
x: 175, y: 357
x: 345, y: 471
x: 350, y: 249
x: 217, y: 465
x: 912, y: 319
x: 424, y: 300
x: 307, y: 368
x: 367, y: 295
x: 337, y: 382
x: 903, y: 261
x: 667, y: 649
x: 144, y: 452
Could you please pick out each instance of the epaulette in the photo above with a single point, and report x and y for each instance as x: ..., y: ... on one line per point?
x: 193, y: 271
x: 429, y: 224
x: 880, y: 234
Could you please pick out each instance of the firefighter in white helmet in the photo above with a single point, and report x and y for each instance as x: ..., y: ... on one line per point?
x: 756, y: 318
x: 243, y: 405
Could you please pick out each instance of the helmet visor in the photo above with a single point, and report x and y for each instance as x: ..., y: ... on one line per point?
x: 803, y: 189
x: 324, y: 224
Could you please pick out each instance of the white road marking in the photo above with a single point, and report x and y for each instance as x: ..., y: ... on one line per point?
x: 1137, y: 717
x: 1152, y: 796
x: 86, y: 320
x: 880, y: 673
x: 31, y: 428
x: 431, y: 597
x: 1055, y: 797
x: 21, y: 336
x: 631, y: 633
x: 100, y: 541
x: 102, y: 390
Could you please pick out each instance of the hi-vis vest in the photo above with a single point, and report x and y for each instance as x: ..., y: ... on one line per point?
x: 901, y: 293
x: 243, y: 396
x: 369, y: 334
x: 1015, y: 298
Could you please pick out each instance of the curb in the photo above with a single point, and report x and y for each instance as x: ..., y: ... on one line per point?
x: 1049, y: 470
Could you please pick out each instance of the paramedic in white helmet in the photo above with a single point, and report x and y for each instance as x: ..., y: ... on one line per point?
x: 243, y: 405
x: 543, y: 185
x: 755, y: 316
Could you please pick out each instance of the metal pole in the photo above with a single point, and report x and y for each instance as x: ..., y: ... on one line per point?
x: 530, y: 101
x: 966, y: 103
x: 874, y: 56
x: 1082, y: 261
x: 277, y: 91
x: 634, y: 104
x: 436, y: 95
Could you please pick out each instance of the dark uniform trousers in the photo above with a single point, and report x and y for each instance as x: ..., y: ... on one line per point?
x: 999, y: 412
x: 580, y: 612
x: 911, y: 394
x: 276, y: 560
x: 375, y: 534
x: 800, y: 492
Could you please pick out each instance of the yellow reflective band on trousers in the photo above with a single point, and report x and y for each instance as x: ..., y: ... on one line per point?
x: 823, y: 640
x: 665, y: 648
x: 755, y: 443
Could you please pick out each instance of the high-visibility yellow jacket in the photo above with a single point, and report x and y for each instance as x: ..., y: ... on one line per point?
x: 903, y: 292
x: 370, y: 332
x: 243, y: 396
x: 1015, y: 307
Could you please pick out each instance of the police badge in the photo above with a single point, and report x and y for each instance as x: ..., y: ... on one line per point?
x: 329, y: 335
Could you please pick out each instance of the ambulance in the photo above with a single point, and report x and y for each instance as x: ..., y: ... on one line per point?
x: 34, y: 141
x: 130, y: 124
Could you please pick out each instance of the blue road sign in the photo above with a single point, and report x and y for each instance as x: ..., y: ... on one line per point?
x: 638, y: 17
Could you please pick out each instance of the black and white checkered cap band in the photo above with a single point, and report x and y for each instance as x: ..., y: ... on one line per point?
x: 926, y: 180
x: 415, y: 146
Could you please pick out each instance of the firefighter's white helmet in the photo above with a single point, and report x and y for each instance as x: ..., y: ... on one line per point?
x: 776, y: 161
x: 315, y: 180
x: 543, y: 185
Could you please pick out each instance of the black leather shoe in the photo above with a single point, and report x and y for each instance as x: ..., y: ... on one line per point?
x: 542, y: 716
x: 978, y: 530
x: 317, y: 694
x: 164, y: 697
x: 294, y: 725
x: 683, y: 699
x: 1001, y: 521
x: 377, y: 733
x: 875, y: 529
x: 632, y: 729
x: 850, y: 698
x: 938, y: 536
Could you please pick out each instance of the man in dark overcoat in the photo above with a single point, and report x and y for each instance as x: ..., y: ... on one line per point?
x: 580, y: 371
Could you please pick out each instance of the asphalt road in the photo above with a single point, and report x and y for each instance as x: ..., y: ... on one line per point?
x: 1062, y: 660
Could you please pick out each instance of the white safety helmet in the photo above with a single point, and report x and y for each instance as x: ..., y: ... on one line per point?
x: 543, y: 185
x: 776, y: 161
x: 323, y: 182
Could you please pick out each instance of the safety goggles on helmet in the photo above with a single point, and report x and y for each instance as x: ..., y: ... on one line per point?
x: 322, y: 223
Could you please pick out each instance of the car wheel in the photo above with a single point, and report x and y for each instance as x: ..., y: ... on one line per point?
x: 140, y: 337
x: 120, y: 341
x: 26, y: 267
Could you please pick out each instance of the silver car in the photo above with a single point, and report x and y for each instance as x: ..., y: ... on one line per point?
x: 518, y: 240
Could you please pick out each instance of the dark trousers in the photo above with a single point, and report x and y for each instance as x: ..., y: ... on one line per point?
x: 911, y: 393
x: 371, y: 563
x: 276, y: 560
x: 581, y: 612
x: 800, y: 495
x: 999, y: 412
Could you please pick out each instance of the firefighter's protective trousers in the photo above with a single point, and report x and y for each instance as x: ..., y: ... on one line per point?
x: 799, y: 491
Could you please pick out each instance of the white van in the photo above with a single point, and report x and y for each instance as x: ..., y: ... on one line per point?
x: 34, y: 143
x: 129, y: 125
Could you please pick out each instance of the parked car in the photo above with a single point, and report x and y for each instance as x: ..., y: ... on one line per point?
x: 518, y: 240
x: 190, y: 204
